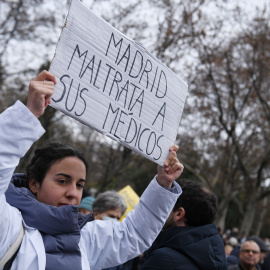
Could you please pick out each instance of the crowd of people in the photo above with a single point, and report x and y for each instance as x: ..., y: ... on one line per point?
x: 237, y: 252
x: 169, y: 251
x: 47, y: 223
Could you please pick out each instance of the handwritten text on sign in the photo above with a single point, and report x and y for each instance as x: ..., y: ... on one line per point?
x: 112, y: 84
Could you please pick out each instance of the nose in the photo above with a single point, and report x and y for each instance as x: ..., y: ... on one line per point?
x: 72, y: 191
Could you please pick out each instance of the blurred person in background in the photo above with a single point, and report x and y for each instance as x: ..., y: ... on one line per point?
x: 249, y: 257
x: 233, y: 258
x: 85, y: 205
x: 228, y: 249
x: 109, y: 205
x: 264, y: 264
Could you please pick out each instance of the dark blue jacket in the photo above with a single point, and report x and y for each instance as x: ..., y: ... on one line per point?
x: 238, y: 267
x: 233, y: 258
x: 187, y: 248
x: 59, y: 226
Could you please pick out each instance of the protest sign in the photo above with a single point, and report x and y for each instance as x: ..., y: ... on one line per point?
x: 131, y: 198
x: 114, y: 85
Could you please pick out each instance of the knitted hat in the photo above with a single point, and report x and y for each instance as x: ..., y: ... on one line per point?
x: 86, y: 203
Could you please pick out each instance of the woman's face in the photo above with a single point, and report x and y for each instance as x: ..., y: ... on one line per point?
x: 63, y: 184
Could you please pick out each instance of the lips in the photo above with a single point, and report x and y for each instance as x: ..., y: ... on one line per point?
x: 62, y: 204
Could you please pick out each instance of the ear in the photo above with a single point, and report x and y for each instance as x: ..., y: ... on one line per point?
x: 179, y: 216
x: 34, y: 185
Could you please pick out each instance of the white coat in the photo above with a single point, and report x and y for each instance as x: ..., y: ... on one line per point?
x: 102, y: 243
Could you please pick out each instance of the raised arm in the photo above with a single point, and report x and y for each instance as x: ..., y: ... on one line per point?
x: 19, y: 129
x: 40, y: 92
x: 122, y: 241
x: 172, y: 169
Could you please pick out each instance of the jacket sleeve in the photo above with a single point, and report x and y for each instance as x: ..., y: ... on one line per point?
x: 19, y: 128
x: 109, y: 243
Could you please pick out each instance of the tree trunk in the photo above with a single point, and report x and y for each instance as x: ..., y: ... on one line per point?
x: 221, y: 218
x: 259, y: 224
x: 249, y: 215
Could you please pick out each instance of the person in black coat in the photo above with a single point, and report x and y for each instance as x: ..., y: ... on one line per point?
x: 188, y: 240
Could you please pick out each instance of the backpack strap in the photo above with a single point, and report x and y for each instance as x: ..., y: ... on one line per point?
x: 10, y: 255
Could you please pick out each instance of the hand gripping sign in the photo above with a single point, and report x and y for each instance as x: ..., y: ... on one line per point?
x: 112, y: 84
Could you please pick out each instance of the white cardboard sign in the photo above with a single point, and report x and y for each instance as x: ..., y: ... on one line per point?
x: 112, y: 84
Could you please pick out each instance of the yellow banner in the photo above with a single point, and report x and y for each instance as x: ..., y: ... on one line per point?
x: 131, y: 199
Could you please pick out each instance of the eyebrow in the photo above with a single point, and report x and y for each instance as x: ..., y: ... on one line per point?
x: 69, y: 177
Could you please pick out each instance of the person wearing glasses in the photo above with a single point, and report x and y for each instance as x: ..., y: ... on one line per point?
x: 249, y: 257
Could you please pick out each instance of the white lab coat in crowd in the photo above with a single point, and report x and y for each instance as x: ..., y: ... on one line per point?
x: 102, y: 243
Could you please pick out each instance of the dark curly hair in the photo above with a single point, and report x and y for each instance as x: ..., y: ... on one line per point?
x: 46, y: 156
x: 199, y: 202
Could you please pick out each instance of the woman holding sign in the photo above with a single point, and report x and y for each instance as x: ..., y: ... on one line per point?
x: 42, y: 206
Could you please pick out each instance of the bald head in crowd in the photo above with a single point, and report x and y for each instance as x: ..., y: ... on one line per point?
x: 249, y: 255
